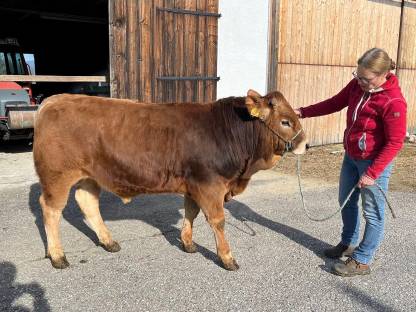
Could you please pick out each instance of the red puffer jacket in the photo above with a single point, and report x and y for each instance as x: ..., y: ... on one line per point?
x: 376, y: 121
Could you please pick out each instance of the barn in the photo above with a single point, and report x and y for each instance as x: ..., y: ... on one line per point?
x: 175, y: 50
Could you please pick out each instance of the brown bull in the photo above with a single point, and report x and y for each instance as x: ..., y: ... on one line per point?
x: 208, y: 152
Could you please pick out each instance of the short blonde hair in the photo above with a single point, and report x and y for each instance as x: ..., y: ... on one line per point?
x: 377, y: 61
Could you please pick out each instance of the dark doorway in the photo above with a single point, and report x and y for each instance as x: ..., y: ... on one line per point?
x: 66, y: 38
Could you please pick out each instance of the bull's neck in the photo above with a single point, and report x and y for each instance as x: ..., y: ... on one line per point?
x: 246, y: 138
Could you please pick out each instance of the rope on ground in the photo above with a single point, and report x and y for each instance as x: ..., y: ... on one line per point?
x: 243, y: 220
x: 343, y: 204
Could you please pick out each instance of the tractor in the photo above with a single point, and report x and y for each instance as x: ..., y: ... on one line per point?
x: 17, y: 105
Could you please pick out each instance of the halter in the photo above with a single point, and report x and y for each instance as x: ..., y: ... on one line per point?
x: 288, y: 143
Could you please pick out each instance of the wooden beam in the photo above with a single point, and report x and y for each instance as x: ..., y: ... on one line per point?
x: 273, y: 45
x: 52, y: 78
x: 58, y: 16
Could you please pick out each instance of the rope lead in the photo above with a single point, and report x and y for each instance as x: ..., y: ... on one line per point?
x: 343, y: 204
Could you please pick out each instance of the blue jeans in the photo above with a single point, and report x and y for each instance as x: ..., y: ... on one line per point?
x: 373, y: 203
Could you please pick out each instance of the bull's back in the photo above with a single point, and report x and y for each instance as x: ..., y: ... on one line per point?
x: 139, y: 144
x: 81, y: 117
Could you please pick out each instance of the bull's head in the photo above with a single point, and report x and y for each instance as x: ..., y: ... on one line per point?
x: 279, y: 118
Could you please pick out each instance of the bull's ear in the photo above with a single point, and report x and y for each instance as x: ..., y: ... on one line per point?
x: 256, y: 106
x: 273, y: 102
x: 253, y: 94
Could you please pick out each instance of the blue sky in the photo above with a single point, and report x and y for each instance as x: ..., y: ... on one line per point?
x: 30, y: 60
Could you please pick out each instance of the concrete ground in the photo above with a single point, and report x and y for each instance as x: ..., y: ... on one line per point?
x: 278, y: 248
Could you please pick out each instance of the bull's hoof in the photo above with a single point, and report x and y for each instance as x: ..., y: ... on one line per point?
x: 231, y: 266
x: 112, y: 247
x: 189, y: 248
x: 60, y: 263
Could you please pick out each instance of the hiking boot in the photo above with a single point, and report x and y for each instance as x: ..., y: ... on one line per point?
x: 351, y: 267
x: 338, y: 251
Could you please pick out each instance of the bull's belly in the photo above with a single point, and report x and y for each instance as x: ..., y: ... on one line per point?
x: 128, y: 189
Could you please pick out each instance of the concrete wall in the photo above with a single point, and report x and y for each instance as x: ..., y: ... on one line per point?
x: 242, y: 47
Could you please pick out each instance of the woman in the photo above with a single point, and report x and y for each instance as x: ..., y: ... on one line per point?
x: 376, y: 128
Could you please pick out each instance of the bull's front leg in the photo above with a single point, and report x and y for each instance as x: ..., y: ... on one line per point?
x: 212, y: 204
x: 217, y: 222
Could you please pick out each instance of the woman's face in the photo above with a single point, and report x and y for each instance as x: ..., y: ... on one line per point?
x: 368, y: 80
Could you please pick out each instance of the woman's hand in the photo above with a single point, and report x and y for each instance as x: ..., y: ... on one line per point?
x: 298, y: 112
x: 365, y: 181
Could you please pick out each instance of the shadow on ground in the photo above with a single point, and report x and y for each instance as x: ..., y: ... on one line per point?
x: 363, y: 298
x: 162, y: 211
x: 11, y: 291
x: 18, y: 146
x: 243, y: 213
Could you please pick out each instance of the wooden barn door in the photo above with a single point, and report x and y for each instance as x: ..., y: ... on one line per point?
x: 314, y: 47
x: 163, y: 50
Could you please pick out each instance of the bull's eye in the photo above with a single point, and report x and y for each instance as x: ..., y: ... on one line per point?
x: 285, y: 123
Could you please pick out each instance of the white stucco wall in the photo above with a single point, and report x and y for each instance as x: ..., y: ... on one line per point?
x: 242, y: 47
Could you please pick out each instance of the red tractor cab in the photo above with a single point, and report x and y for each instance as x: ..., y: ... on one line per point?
x: 17, y: 105
x: 12, y: 62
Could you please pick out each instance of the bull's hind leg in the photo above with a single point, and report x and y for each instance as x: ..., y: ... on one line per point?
x: 211, y: 202
x: 87, y: 197
x: 191, y: 211
x: 53, y: 201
